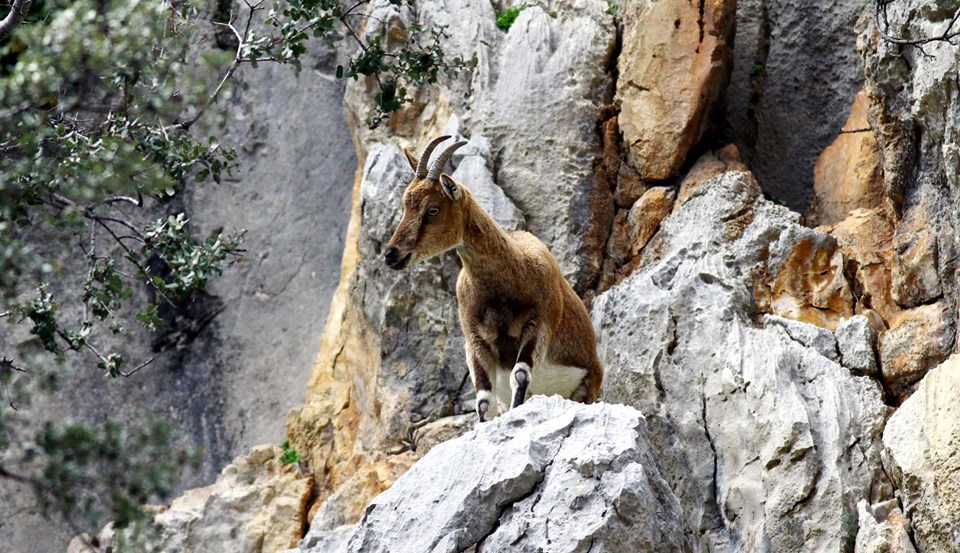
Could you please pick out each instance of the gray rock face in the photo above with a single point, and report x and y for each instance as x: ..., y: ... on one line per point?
x: 551, y: 475
x: 857, y: 341
x: 795, y: 75
x: 916, y: 110
x: 767, y: 441
x: 541, y: 116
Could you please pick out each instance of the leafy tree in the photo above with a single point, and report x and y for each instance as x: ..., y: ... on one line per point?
x: 99, y: 105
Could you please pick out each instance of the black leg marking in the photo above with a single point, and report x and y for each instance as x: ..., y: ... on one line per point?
x: 521, y: 375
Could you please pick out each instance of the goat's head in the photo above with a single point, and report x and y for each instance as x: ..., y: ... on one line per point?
x: 434, y: 208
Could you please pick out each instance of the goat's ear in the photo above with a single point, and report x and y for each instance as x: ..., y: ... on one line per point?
x: 411, y: 160
x: 450, y: 187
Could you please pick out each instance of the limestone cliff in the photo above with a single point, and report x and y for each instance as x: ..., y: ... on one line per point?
x: 794, y: 370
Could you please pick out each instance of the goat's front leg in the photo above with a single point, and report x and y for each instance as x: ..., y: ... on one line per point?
x: 531, y: 347
x: 486, y: 404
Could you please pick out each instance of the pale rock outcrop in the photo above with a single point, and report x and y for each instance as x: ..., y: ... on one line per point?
x: 674, y: 66
x: 257, y: 505
x: 848, y: 174
x: 766, y: 440
x: 857, y: 344
x: 550, y: 475
x: 888, y: 534
x: 920, y: 445
x: 708, y: 166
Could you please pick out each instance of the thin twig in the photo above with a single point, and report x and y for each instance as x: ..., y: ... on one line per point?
x: 883, y: 28
x: 237, y: 60
x: 138, y: 367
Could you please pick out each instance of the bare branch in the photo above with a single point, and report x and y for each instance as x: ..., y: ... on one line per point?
x: 138, y: 367
x: 6, y: 364
x: 18, y: 11
x: 883, y: 28
x: 237, y: 60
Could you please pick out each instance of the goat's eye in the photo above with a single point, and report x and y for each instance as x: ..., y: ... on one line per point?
x: 433, y: 211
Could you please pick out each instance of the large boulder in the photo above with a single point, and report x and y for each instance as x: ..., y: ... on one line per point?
x: 766, y: 439
x: 550, y: 475
x: 674, y: 65
x: 920, y: 445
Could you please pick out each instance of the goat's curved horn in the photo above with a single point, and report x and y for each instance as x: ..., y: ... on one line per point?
x: 441, y: 161
x: 425, y: 156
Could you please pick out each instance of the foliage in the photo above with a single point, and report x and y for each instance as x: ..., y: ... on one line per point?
x: 506, y: 17
x: 99, y: 105
x: 290, y: 455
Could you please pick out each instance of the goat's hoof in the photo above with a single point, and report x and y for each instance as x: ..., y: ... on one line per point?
x: 482, y: 407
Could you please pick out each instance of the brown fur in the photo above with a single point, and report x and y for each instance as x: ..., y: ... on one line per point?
x: 514, y: 303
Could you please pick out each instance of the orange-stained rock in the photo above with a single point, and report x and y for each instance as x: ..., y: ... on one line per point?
x: 918, y: 340
x: 632, y: 230
x: 865, y: 239
x: 707, y: 167
x: 674, y: 65
x: 647, y: 213
x: 849, y: 172
x: 807, y: 283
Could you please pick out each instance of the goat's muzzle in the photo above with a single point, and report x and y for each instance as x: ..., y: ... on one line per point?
x: 393, y: 259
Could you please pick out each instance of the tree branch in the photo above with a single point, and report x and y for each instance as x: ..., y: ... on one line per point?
x: 18, y: 11
x: 883, y: 27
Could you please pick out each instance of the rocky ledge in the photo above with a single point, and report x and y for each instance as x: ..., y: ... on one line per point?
x: 551, y: 475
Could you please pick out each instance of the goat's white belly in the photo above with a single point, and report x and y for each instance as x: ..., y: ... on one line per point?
x: 549, y: 379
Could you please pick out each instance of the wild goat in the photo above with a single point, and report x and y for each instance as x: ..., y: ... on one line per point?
x: 520, y: 318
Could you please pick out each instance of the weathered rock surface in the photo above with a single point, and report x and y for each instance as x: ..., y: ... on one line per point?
x: 848, y: 174
x: 795, y: 75
x: 887, y: 535
x: 920, y: 445
x: 805, y: 279
x: 674, y: 66
x: 914, y: 111
x: 708, y: 166
x: 257, y: 505
x: 919, y: 339
x: 768, y: 443
x: 551, y: 475
x: 865, y: 241
x: 857, y: 343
